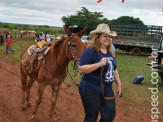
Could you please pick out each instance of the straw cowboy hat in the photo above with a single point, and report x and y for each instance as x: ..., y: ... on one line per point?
x: 103, y: 28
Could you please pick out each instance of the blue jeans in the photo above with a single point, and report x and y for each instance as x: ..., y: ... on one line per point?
x: 94, y: 103
x: 8, y: 48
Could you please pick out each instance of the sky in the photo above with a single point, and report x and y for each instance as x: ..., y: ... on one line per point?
x: 50, y: 12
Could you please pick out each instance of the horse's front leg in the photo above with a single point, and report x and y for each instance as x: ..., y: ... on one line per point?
x: 40, y: 91
x: 55, y: 93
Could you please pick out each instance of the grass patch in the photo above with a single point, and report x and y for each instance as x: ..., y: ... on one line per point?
x: 129, y: 67
x: 14, y: 58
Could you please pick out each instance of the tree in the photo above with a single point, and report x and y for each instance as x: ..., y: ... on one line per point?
x: 128, y: 20
x: 84, y: 18
x: 127, y: 23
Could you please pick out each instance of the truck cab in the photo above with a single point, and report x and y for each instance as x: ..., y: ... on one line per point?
x: 157, y: 60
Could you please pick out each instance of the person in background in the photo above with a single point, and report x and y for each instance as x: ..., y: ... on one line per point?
x: 98, y: 66
x: 36, y: 37
x: 85, y: 44
x: 6, y: 35
x: 8, y: 45
x: 41, y: 36
x: 45, y: 37
x: 21, y: 34
x: 1, y: 38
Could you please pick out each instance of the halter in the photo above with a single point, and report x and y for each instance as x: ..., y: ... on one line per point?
x: 76, y: 63
x: 70, y: 48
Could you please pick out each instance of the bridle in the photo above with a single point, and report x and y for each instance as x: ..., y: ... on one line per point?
x: 75, y: 62
x: 70, y: 49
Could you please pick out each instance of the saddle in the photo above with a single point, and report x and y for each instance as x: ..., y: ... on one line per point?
x: 36, y: 52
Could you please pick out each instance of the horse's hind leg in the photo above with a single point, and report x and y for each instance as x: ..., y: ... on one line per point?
x: 30, y: 82
x: 40, y: 91
x: 24, y: 87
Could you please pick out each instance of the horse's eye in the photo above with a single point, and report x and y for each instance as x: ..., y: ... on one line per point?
x: 73, y: 45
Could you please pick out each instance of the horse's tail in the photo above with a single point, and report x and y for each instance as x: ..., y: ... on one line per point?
x: 23, y: 77
x: 23, y: 68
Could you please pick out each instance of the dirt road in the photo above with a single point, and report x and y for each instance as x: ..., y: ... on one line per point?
x: 68, y: 109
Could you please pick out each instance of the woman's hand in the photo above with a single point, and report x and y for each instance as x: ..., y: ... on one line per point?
x: 103, y: 62
x: 119, y: 91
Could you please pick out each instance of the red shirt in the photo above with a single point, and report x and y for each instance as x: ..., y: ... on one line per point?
x: 9, y: 42
x: 85, y: 45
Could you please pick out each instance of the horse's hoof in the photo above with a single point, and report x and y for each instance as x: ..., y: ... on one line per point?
x: 54, y: 119
x: 29, y: 105
x: 34, y: 120
x: 24, y: 109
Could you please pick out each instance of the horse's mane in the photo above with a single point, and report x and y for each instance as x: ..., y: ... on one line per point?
x: 56, y: 43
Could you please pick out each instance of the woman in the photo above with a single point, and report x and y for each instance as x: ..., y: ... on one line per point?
x: 98, y: 64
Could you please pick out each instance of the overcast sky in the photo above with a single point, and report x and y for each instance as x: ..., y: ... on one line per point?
x: 50, y: 12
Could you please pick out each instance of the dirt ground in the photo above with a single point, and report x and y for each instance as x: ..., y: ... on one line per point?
x: 68, y: 109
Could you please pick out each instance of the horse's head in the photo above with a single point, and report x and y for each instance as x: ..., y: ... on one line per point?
x: 75, y: 45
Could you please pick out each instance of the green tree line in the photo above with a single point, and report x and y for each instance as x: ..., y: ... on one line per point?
x: 86, y: 18
x: 41, y: 28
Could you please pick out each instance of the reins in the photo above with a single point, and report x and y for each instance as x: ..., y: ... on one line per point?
x: 102, y: 87
x: 72, y: 78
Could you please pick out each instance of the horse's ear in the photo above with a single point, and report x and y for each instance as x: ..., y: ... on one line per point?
x: 81, y: 33
x: 69, y: 33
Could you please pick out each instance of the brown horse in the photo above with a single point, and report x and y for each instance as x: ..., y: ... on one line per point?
x: 52, y: 69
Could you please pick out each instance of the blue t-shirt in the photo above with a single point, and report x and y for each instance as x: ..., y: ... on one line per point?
x: 92, y: 81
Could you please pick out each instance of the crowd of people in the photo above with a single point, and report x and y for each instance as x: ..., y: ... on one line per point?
x: 45, y: 37
x: 5, y: 38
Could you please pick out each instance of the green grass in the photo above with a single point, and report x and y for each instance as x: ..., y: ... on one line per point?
x: 129, y: 67
x: 17, y: 46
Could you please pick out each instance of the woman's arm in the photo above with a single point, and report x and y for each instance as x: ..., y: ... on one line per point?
x: 88, y: 68
x: 117, y: 79
x: 118, y: 82
x: 85, y: 69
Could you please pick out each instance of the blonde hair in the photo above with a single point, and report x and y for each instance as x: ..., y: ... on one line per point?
x: 95, y: 44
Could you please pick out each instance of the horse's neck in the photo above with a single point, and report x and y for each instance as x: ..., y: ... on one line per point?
x: 59, y: 57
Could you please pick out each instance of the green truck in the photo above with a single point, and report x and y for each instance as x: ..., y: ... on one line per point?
x: 137, y: 38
